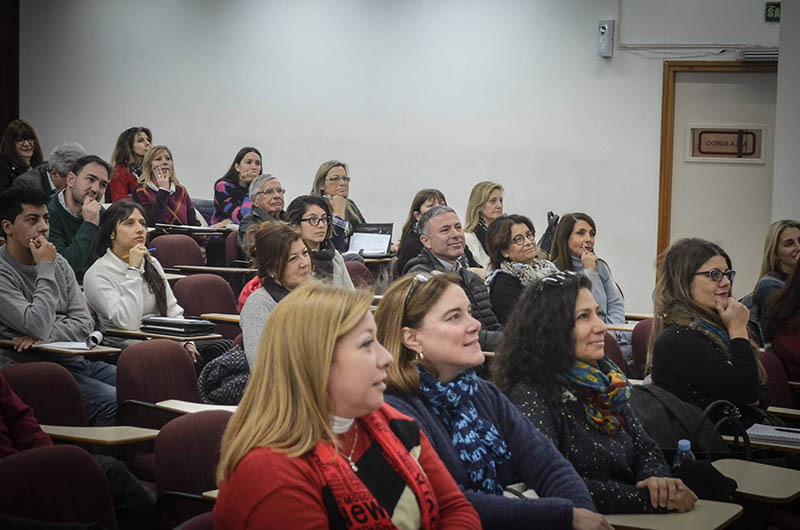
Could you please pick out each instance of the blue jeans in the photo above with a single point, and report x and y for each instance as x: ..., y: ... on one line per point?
x: 97, y: 383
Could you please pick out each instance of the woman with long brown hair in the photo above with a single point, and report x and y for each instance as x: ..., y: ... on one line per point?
x: 700, y: 348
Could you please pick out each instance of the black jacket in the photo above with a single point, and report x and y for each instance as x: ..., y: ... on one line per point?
x: 491, y: 330
x: 37, y: 177
x: 9, y: 171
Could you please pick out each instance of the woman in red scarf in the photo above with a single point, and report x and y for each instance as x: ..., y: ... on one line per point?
x: 312, y: 445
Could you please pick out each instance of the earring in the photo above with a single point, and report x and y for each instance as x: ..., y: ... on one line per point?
x: 419, y: 356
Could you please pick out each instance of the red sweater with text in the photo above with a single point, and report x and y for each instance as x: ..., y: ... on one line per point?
x: 271, y: 490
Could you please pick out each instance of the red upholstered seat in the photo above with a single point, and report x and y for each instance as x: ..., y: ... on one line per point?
x: 207, y: 293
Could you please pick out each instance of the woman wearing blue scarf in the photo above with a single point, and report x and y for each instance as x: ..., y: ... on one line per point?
x: 553, y: 367
x: 485, y: 443
x: 700, y: 348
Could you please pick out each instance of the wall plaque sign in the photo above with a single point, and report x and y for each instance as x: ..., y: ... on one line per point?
x: 725, y: 143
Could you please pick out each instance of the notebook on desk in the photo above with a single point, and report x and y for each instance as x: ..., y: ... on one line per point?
x: 182, y: 326
x: 371, y: 240
x: 759, y: 432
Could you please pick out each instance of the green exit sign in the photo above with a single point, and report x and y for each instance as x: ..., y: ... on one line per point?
x: 772, y: 12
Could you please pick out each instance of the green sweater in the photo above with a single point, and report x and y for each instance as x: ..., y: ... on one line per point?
x: 73, y: 237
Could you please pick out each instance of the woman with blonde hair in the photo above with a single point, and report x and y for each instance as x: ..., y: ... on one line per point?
x: 332, y: 181
x: 781, y: 252
x: 312, y: 445
x: 486, y: 444
x: 484, y: 206
x: 700, y: 349
x: 160, y: 192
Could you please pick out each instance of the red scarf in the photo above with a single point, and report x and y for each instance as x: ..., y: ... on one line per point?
x: 353, y: 498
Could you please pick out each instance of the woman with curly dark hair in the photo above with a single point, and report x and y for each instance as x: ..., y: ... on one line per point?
x: 424, y: 321
x: 781, y: 324
x: 551, y: 364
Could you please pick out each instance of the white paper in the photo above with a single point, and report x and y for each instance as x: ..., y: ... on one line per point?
x: 91, y: 341
x: 369, y: 244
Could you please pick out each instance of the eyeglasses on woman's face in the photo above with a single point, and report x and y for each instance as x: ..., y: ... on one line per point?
x: 314, y: 220
x: 338, y: 179
x: 519, y: 239
x: 717, y: 275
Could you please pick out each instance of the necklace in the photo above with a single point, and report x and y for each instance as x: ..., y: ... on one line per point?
x: 349, y: 457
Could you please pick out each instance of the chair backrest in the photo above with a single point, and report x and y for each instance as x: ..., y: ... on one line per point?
x: 203, y: 521
x: 232, y: 248
x: 152, y: 371
x: 177, y: 249
x: 360, y: 274
x: 207, y: 293
x: 778, y: 382
x: 187, y: 453
x: 50, y: 390
x: 639, y: 339
x: 59, y: 484
x: 614, y: 352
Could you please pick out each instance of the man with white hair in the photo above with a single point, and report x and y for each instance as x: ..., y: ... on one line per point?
x: 51, y: 176
x: 267, y: 196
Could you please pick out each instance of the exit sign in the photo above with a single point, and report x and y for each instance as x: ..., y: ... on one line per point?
x: 772, y: 12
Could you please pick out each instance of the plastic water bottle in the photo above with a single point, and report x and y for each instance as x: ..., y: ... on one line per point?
x: 684, y: 453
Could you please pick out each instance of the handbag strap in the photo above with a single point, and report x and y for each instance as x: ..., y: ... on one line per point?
x: 731, y: 415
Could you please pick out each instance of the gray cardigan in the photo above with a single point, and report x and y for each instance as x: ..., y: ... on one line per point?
x: 253, y: 317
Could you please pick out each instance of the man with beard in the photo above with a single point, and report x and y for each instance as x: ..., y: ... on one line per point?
x: 75, y: 212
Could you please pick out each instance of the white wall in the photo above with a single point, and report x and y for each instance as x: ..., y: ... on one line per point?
x: 412, y: 93
x: 786, y: 179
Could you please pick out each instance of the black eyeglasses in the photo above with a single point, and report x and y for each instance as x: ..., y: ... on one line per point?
x: 556, y: 280
x: 314, y: 221
x: 519, y: 240
x: 717, y: 275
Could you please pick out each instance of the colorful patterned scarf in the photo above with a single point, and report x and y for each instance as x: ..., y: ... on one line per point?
x: 602, y: 391
x: 481, y: 448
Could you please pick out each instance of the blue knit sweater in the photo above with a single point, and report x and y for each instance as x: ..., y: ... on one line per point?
x: 534, y: 461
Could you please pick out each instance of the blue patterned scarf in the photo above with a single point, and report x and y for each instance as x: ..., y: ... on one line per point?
x: 602, y: 391
x: 480, y: 447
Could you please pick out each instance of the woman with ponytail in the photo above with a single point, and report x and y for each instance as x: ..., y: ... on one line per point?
x: 126, y: 285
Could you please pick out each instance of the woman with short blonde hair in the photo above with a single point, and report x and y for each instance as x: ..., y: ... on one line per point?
x: 484, y: 206
x: 312, y: 445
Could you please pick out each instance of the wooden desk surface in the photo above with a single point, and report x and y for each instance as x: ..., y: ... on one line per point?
x: 172, y: 276
x: 783, y: 412
x: 187, y: 407
x: 706, y: 515
x: 638, y: 316
x: 221, y: 317
x: 142, y: 335
x: 627, y: 326
x: 776, y: 446
x: 210, y: 495
x: 794, y: 385
x: 761, y: 482
x: 97, y: 350
x: 377, y: 260
x: 215, y: 270
x: 115, y: 435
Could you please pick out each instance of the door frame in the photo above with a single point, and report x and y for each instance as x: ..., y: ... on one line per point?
x: 671, y: 68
